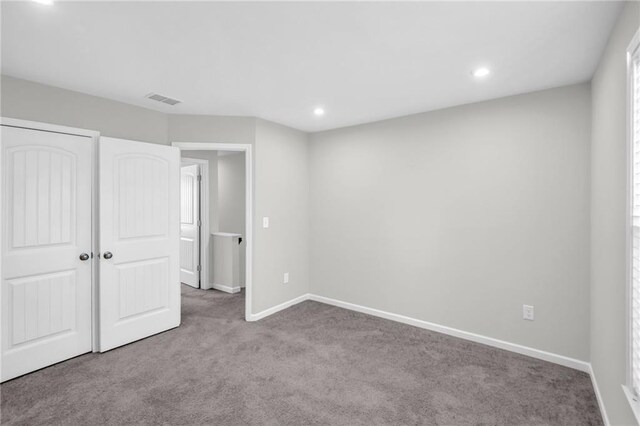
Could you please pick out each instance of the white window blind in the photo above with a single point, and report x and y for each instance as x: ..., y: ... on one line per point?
x: 635, y: 221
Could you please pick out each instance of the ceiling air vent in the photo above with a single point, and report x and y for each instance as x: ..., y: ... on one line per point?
x: 162, y: 99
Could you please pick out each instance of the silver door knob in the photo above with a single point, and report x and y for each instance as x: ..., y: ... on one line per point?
x: 107, y: 255
x: 84, y: 256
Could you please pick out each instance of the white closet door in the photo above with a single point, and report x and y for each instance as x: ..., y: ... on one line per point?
x: 190, y: 225
x: 139, y: 240
x: 46, y: 287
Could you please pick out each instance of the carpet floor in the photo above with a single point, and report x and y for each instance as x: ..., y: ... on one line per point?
x: 312, y: 364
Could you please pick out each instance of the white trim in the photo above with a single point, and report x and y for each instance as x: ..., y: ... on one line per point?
x: 225, y: 288
x: 489, y: 341
x: 211, y: 146
x: 596, y: 389
x: 248, y: 161
x: 47, y: 127
x: 478, y: 338
x: 95, y: 247
x: 2, y: 195
x: 204, y: 219
x: 631, y: 51
x: 633, y: 402
x: 280, y: 307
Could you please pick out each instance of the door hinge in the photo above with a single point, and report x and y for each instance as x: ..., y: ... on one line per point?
x: 198, y: 268
x: 199, y: 178
x: 199, y: 223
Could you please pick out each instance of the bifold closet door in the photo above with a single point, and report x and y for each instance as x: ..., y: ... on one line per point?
x: 46, y: 241
x: 139, y: 240
x: 190, y: 225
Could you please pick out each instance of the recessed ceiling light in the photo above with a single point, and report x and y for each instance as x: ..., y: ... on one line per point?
x: 481, y: 72
x: 45, y: 2
x: 318, y: 111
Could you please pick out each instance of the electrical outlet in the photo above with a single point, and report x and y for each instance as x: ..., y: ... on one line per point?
x: 286, y: 278
x: 527, y: 312
x: 265, y: 222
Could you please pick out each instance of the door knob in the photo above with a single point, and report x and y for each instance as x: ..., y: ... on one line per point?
x: 84, y: 256
x: 107, y: 255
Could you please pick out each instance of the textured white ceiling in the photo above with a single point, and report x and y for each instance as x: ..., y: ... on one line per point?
x: 361, y: 61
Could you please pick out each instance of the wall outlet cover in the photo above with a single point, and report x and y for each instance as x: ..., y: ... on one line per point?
x: 286, y: 278
x: 527, y: 312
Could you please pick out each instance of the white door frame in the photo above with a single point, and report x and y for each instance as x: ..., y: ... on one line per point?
x: 204, y: 219
x: 94, y: 135
x: 248, y: 169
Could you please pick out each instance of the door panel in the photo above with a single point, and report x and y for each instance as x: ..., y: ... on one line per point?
x: 143, y: 286
x: 189, y: 225
x: 46, y: 288
x: 142, y: 192
x: 139, y: 227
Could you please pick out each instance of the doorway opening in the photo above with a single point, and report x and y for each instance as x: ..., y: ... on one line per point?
x: 215, y: 215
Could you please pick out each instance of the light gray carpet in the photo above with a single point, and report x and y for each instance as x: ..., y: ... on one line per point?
x: 310, y: 364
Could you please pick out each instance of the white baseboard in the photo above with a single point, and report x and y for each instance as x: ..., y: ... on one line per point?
x: 634, y: 403
x: 278, y: 308
x: 478, y: 338
x: 596, y: 389
x: 603, y: 411
x: 226, y: 288
x: 490, y: 341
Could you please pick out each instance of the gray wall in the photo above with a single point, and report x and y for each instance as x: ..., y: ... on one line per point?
x: 231, y: 200
x: 231, y: 193
x: 37, y: 102
x: 282, y: 194
x: 209, y: 128
x: 609, y: 156
x: 461, y: 216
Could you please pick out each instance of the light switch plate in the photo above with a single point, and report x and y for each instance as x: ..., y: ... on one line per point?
x: 286, y: 278
x: 265, y: 222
